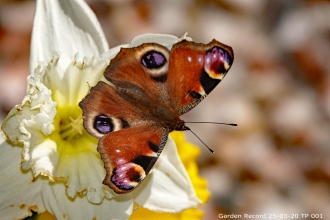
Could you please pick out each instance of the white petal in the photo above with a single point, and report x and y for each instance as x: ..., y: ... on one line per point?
x: 110, y: 54
x: 30, y: 122
x: 166, y: 40
x: 63, y: 207
x: 70, y: 78
x: 19, y: 191
x: 43, y: 157
x: 168, y: 188
x: 84, y: 170
x: 65, y: 26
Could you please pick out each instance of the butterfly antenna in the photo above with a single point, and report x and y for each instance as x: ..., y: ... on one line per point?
x: 208, y: 122
x: 201, y: 141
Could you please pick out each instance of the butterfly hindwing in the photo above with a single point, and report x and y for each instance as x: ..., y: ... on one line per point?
x: 129, y: 160
x: 194, y: 71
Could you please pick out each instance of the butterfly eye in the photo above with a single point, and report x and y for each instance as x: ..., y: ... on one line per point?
x: 153, y: 60
x: 103, y: 124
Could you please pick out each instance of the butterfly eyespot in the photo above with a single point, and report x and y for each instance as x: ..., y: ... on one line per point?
x: 127, y: 176
x: 218, y: 60
x: 153, y: 60
x: 103, y: 124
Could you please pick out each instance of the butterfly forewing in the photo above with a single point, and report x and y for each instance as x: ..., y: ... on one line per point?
x: 105, y: 111
x: 194, y: 71
x: 141, y: 70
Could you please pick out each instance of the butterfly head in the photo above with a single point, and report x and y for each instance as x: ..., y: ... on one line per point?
x: 180, y: 126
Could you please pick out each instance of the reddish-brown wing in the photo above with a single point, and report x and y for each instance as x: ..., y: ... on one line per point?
x: 141, y: 70
x: 129, y: 155
x: 105, y: 111
x: 194, y: 70
x: 129, y: 145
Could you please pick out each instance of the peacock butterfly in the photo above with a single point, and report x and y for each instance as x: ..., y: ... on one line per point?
x: 149, y: 88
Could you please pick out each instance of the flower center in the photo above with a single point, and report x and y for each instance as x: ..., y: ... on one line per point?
x: 71, y: 128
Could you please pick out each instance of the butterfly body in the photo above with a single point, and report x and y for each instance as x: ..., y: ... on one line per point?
x: 151, y: 111
x: 150, y: 88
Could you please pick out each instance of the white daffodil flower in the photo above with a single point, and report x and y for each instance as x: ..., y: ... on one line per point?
x: 48, y: 161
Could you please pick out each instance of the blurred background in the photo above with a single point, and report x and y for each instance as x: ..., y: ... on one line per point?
x: 277, y: 161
